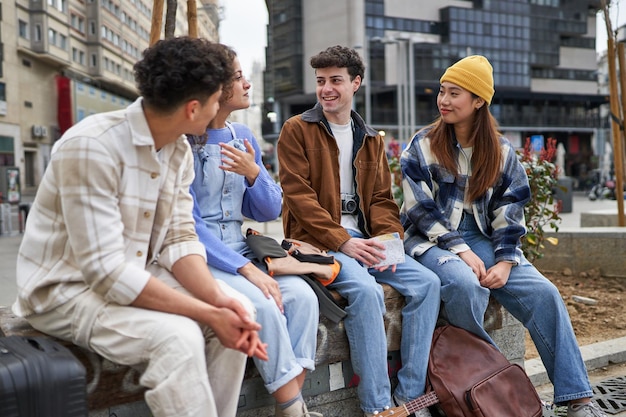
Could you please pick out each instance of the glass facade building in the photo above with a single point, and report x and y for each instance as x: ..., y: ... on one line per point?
x: 542, y: 52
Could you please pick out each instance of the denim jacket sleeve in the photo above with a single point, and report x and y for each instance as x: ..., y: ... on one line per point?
x: 261, y: 200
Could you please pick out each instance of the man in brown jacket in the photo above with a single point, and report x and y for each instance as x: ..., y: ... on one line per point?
x: 337, y: 196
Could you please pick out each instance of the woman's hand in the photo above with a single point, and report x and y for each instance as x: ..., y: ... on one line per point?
x: 240, y: 162
x: 497, y: 276
x: 473, y: 261
x: 267, y: 284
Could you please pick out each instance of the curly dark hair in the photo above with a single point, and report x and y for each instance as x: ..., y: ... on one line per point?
x: 179, y: 69
x: 340, y: 57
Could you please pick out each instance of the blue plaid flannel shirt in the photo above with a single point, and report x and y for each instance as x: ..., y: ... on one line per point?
x: 433, y: 203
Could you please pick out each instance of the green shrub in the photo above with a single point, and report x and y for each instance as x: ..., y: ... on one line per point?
x: 542, y: 211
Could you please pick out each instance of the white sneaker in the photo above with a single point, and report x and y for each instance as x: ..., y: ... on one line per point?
x: 589, y: 409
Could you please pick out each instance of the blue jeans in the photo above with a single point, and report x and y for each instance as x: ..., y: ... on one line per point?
x: 291, y: 338
x: 528, y: 296
x: 366, y: 331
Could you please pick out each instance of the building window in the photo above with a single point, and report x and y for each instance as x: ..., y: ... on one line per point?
x: 7, y: 152
x: 94, y: 60
x: 92, y: 27
x: 78, y: 23
x: 63, y: 42
x: 60, y: 5
x: 22, y: 29
x: 37, y: 33
x: 52, y: 36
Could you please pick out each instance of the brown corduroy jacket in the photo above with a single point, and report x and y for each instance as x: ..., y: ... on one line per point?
x: 308, y: 157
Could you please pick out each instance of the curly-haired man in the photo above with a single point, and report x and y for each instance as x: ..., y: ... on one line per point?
x: 110, y: 259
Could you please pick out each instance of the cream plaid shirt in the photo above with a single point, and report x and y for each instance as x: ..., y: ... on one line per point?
x: 107, y: 206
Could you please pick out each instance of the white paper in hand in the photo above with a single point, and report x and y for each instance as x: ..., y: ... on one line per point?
x: 394, y: 249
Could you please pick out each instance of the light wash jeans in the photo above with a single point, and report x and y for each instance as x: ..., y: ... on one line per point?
x: 366, y: 332
x: 291, y: 338
x: 528, y: 296
x: 187, y: 371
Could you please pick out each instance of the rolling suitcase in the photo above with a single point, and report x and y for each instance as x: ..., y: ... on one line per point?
x: 40, y: 378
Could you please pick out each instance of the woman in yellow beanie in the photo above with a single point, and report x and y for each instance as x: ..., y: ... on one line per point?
x: 464, y: 197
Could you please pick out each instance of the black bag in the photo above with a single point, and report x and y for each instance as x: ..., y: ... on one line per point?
x: 279, y: 260
x: 468, y: 377
x: 39, y: 377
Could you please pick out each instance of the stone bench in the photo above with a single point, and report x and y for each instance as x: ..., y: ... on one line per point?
x: 330, y: 389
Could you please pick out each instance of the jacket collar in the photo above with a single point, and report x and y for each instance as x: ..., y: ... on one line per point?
x: 316, y: 115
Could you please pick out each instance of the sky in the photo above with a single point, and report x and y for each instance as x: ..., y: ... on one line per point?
x: 244, y: 29
x: 617, y: 13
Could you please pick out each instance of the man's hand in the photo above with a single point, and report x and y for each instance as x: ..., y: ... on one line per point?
x: 267, y: 284
x: 228, y: 318
x: 473, y: 261
x: 367, y: 251
x: 240, y: 162
x: 237, y: 332
x: 497, y: 276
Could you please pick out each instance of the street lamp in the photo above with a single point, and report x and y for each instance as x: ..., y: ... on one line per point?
x: 405, y: 83
x: 406, y: 78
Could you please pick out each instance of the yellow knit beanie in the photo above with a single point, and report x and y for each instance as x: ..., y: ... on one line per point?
x: 474, y: 73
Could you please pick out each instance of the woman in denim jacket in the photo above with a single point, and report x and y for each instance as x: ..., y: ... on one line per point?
x: 231, y: 183
x: 465, y: 192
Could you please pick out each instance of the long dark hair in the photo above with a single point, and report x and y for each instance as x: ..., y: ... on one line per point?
x: 486, y: 155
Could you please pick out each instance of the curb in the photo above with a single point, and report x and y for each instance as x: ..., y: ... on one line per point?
x: 596, y: 355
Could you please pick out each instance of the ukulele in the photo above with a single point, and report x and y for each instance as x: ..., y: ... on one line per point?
x: 408, y: 408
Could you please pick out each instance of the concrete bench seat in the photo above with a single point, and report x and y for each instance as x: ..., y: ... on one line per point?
x: 330, y: 389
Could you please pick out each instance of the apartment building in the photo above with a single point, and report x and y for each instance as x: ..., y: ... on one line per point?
x: 62, y: 60
x: 543, y: 54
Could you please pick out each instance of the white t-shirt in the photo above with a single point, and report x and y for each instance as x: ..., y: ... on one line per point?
x: 345, y: 141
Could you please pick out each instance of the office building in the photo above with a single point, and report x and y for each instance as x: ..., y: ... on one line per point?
x: 63, y: 60
x: 543, y: 54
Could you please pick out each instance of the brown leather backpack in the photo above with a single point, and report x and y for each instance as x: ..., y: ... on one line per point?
x: 468, y: 377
